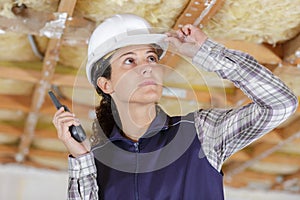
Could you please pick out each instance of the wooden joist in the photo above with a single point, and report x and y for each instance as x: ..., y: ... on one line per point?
x: 291, y: 133
x: 49, y: 63
x: 198, y: 12
x: 292, y: 51
x: 262, y: 53
x: 42, y: 23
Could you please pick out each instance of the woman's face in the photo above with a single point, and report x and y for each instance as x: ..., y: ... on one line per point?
x: 136, y: 75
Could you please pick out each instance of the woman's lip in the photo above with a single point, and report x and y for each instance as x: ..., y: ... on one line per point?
x: 147, y: 82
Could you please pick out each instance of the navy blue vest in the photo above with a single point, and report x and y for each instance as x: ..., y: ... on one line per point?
x: 166, y: 163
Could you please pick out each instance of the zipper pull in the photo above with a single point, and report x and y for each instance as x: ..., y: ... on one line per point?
x: 136, y: 146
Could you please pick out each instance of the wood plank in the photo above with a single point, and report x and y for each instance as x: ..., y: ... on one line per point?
x: 240, y: 156
x: 8, y: 150
x: 249, y: 177
x: 34, y: 22
x: 11, y: 130
x: 22, y: 103
x: 35, y: 164
x: 212, y: 7
x: 33, y: 76
x: 267, y: 149
x: 7, y: 160
x: 70, y: 80
x: 283, y: 158
x: 15, y: 102
x: 48, y: 154
x: 260, y: 52
x: 19, y: 74
x: 197, y: 12
x: 291, y: 130
x: 292, y: 50
x: 290, y: 76
x: 272, y: 137
x: 49, y: 63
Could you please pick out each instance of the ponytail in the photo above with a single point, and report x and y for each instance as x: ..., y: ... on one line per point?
x: 106, y: 112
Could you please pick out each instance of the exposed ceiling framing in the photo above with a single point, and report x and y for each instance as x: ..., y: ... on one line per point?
x: 61, y: 30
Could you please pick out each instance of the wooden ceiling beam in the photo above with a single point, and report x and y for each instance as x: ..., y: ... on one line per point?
x: 248, y: 177
x: 291, y: 50
x: 261, y: 52
x: 52, y: 53
x: 22, y: 103
x: 290, y: 130
x: 35, y: 164
x: 240, y: 156
x: 291, y: 76
x: 33, y: 76
x: 48, y: 153
x: 15, y: 102
x: 272, y: 137
x: 19, y: 74
x: 8, y: 150
x: 284, y: 158
x: 11, y: 130
x: 198, y: 12
x: 41, y: 23
x: 293, y: 133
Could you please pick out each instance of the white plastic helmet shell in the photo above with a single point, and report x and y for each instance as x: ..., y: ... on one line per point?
x: 120, y: 31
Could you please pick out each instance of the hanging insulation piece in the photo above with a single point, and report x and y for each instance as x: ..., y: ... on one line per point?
x: 256, y: 21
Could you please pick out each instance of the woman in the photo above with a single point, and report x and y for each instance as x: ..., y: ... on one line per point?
x: 146, y: 154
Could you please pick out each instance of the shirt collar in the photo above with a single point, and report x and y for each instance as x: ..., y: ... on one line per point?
x: 160, y: 122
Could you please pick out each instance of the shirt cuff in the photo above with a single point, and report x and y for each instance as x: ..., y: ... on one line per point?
x: 205, y: 57
x: 82, y: 166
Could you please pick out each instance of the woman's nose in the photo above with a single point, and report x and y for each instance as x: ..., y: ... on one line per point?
x: 146, y: 70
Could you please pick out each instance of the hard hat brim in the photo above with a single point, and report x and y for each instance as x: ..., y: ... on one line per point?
x: 116, y: 43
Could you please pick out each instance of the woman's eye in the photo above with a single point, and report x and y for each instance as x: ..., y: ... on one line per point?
x: 129, y: 61
x: 152, y: 59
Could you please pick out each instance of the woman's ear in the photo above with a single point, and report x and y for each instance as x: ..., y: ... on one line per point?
x: 105, y: 85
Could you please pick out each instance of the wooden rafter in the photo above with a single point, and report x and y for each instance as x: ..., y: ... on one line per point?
x: 30, y: 21
x: 49, y: 63
x: 292, y: 51
x: 195, y: 10
x: 262, y: 53
x: 198, y: 12
x: 291, y: 133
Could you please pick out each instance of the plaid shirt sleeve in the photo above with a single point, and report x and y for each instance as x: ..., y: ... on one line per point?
x: 82, y: 178
x: 222, y: 132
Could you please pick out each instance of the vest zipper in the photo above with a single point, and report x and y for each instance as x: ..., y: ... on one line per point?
x: 137, y: 150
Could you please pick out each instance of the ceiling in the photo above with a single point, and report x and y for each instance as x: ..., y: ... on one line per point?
x: 43, y: 46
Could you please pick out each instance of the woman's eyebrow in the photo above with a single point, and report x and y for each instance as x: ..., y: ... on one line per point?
x: 130, y: 53
x: 125, y: 54
x: 151, y: 51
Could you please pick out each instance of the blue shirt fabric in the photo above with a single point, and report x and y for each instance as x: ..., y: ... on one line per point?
x: 168, y: 163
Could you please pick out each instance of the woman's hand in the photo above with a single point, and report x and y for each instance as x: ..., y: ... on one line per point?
x: 62, y: 121
x: 187, y: 40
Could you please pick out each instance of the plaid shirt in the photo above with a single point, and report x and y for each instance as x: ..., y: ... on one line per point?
x: 221, y: 132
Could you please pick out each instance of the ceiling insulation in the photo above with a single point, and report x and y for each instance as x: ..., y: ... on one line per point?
x: 159, y: 13
x: 257, y: 21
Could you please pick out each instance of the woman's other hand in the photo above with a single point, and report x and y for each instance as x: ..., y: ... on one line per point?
x: 187, y: 40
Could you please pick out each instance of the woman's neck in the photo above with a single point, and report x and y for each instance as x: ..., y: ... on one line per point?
x: 136, y: 119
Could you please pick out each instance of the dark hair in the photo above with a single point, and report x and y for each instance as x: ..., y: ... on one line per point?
x: 106, y: 113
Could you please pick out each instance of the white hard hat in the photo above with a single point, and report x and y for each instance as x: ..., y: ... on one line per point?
x: 120, y: 31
